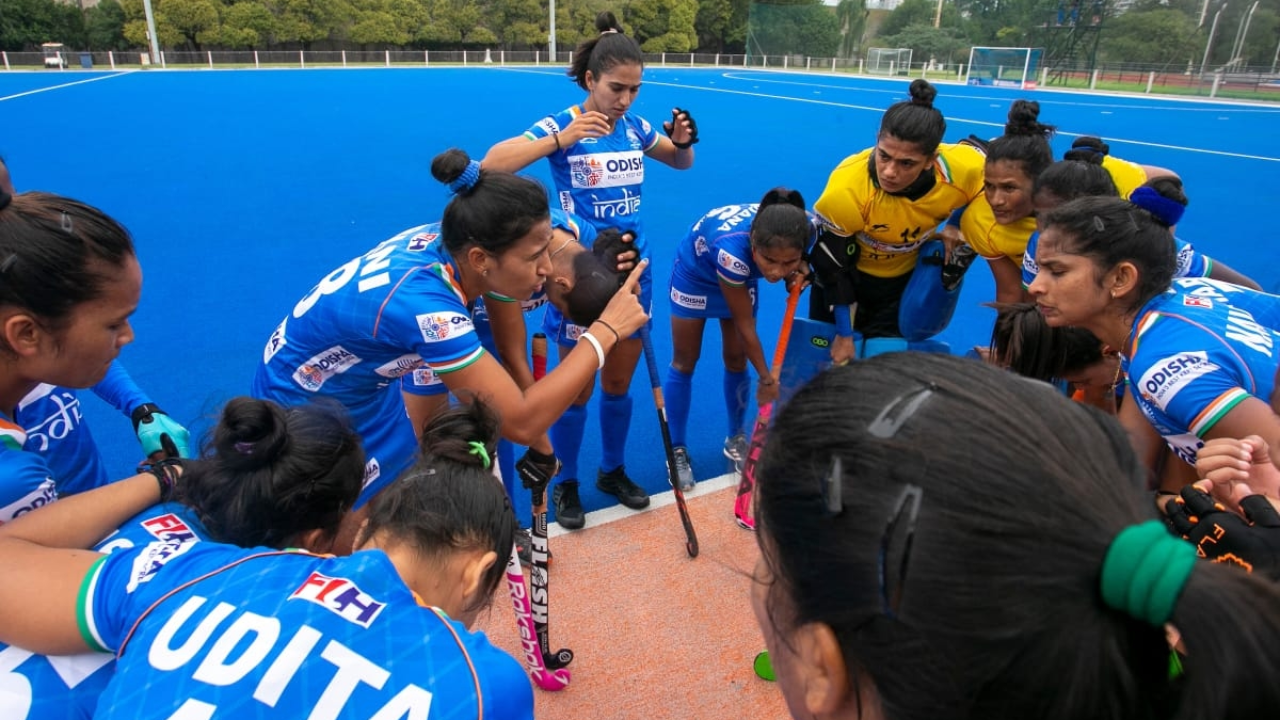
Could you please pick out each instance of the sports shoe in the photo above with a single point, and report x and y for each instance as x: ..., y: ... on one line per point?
x: 524, y: 546
x: 616, y: 483
x: 684, y: 471
x: 568, y: 506
x: 736, y: 447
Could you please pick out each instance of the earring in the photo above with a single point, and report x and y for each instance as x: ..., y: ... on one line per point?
x: 486, y: 274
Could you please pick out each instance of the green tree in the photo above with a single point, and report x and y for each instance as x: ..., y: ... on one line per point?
x: 104, y: 26
x: 195, y: 20
x: 25, y: 24
x: 376, y: 27
x: 1149, y: 36
x: 247, y: 25
x: 722, y: 25
x: 851, y: 16
x: 928, y: 42
x: 805, y: 28
x: 519, y: 23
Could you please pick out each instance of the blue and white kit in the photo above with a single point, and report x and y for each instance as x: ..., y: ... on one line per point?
x: 716, y: 250
x: 1191, y: 264
x: 1195, y: 352
x: 221, y: 632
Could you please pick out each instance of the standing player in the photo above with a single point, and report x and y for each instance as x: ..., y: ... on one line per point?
x: 717, y: 269
x: 878, y: 208
x: 597, y: 153
x: 224, y: 632
x: 404, y: 309
x: 269, y: 477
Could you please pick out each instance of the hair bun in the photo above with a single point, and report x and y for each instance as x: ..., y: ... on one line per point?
x: 607, y: 23
x: 252, y: 433
x: 455, y: 168
x: 1165, y: 211
x: 922, y: 92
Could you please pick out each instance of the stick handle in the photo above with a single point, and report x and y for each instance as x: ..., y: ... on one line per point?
x: 539, y: 355
x: 784, y: 333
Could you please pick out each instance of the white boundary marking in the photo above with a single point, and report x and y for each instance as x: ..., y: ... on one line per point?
x: 950, y: 118
x: 66, y: 85
x: 614, y: 513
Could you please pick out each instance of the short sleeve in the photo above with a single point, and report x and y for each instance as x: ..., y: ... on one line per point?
x: 426, y: 315
x: 840, y: 205
x: 26, y: 482
x: 1193, y: 388
x: 733, y: 267
x: 1189, y: 262
x: 545, y: 127
x: 1029, y: 266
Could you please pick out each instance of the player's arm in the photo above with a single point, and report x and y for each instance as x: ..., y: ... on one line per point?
x: 738, y: 298
x: 1249, y: 416
x: 1222, y: 271
x: 422, y: 408
x: 506, y: 319
x: 39, y: 598
x: 518, y: 153
x: 676, y: 147
x: 1146, y: 441
x: 1155, y: 171
x: 1008, y: 277
x: 528, y: 414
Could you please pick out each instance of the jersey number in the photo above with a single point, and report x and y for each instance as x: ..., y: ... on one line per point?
x: 372, y: 269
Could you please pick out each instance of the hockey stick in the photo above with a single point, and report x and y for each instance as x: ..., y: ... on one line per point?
x: 747, y: 485
x: 538, y: 593
x: 530, y: 642
x: 691, y: 538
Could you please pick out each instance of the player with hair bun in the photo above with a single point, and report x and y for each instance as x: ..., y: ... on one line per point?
x: 718, y: 266
x: 403, y: 310
x: 879, y: 207
x: 597, y: 153
x: 221, y: 631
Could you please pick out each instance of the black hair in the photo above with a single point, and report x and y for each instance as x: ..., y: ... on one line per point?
x: 1087, y: 148
x: 916, y: 120
x: 1070, y: 179
x: 1110, y: 231
x: 961, y: 578
x: 1025, y: 139
x: 605, y: 51
x: 595, y: 277
x: 449, y: 499
x: 57, y: 253
x: 268, y: 473
x: 781, y: 221
x: 495, y: 211
x: 1024, y: 342
x: 1170, y: 188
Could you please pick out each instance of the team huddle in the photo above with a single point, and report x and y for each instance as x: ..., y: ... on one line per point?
x: 939, y: 537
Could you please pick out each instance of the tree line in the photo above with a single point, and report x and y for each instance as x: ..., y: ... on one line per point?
x: 1166, y: 32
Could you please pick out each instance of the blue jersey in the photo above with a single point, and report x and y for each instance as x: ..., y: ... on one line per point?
x: 717, y: 249
x: 221, y: 632
x: 67, y: 687
x: 397, y: 310
x: 1191, y: 264
x: 56, y: 430
x: 26, y: 482
x: 1198, y: 350
x: 599, y: 179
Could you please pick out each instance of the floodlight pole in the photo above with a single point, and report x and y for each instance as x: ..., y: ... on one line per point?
x: 937, y: 15
x: 1244, y: 33
x: 1275, y: 59
x: 553, y: 32
x: 151, y: 32
x: 1213, y: 30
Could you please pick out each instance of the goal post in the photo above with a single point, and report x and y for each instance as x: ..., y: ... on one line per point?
x: 1004, y: 66
x: 888, y: 61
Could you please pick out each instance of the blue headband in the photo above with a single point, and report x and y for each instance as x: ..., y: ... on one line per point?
x: 467, y: 179
x: 1167, y: 212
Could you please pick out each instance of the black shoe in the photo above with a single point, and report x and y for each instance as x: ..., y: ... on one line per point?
x: 617, y: 484
x: 524, y: 546
x: 568, y: 506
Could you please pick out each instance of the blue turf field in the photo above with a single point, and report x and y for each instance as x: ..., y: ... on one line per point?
x: 243, y: 188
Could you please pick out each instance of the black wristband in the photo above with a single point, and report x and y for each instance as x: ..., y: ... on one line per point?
x: 539, y: 457
x: 142, y: 411
x: 167, y: 472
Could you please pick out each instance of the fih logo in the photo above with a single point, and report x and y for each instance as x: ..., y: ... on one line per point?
x: 341, y: 597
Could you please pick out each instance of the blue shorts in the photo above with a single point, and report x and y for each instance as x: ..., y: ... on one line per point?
x: 565, y: 333
x: 695, y: 299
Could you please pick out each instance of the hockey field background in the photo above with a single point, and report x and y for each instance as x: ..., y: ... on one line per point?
x: 243, y: 188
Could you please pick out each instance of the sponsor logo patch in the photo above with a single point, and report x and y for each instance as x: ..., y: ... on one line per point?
x: 1167, y: 377
x: 573, y: 332
x: 1199, y: 302
x: 372, y: 471
x: 607, y: 169
x: 314, y: 373
x: 441, y: 326
x: 169, y: 527
x: 401, y: 366
x: 693, y: 302
x: 731, y: 263
x: 44, y: 493
x: 422, y: 241
x: 425, y: 376
x: 153, y: 557
x: 340, y: 596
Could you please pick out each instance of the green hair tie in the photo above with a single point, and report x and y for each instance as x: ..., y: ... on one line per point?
x: 1145, y: 570
x: 478, y: 448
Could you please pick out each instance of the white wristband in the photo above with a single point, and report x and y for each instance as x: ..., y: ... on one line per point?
x: 595, y: 344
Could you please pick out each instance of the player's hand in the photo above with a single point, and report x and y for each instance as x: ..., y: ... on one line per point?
x: 536, y: 470
x: 842, y: 350
x: 681, y: 128
x: 152, y: 425
x: 1250, y: 540
x: 951, y: 239
x: 766, y: 393
x: 624, y: 312
x: 628, y: 259
x: 590, y: 124
x: 797, y: 279
x: 1227, y: 462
